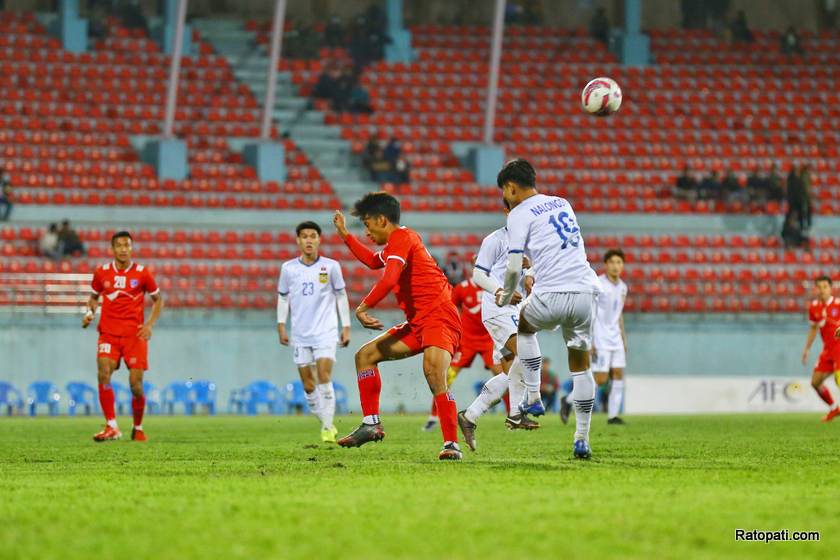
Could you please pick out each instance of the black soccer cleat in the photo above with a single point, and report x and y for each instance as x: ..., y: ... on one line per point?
x: 521, y: 422
x: 450, y: 452
x: 616, y: 420
x: 363, y: 434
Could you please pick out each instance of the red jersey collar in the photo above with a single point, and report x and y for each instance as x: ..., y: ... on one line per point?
x: 129, y: 267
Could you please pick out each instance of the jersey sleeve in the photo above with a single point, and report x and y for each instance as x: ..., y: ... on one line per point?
x: 283, y: 282
x: 488, y: 254
x: 96, y: 282
x: 149, y: 284
x: 517, y: 233
x: 398, y: 248
x: 337, y: 278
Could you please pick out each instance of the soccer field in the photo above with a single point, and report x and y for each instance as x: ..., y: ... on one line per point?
x: 234, y: 487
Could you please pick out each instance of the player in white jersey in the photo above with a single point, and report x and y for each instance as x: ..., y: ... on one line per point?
x: 609, y: 343
x: 313, y: 287
x: 545, y: 229
x: 501, y: 324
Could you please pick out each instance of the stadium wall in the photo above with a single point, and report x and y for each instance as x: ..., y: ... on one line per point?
x: 234, y: 348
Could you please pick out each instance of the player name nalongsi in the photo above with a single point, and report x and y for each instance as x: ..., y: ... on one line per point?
x: 784, y: 535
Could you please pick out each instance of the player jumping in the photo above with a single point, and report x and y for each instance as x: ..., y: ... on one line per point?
x: 824, y: 315
x: 545, y: 229
x: 313, y: 286
x: 123, y: 336
x: 432, y: 327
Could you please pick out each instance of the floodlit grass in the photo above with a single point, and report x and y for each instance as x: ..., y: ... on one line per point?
x: 232, y: 487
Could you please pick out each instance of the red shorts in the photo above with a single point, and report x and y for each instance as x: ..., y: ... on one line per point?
x: 442, y: 330
x: 829, y: 360
x: 465, y: 355
x: 132, y: 349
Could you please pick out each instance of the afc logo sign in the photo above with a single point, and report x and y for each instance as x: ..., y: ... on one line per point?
x: 772, y: 391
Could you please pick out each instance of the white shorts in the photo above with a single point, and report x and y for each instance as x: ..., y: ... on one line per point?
x: 305, y: 355
x: 605, y: 360
x: 573, y: 312
x: 501, y: 328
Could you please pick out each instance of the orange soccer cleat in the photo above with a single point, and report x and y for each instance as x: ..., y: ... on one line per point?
x: 831, y: 414
x: 108, y: 434
x: 138, y: 434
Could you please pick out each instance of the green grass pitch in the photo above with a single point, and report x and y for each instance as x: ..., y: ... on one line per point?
x: 264, y: 487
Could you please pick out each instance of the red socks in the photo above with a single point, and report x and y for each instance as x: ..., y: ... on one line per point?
x: 138, y: 405
x: 370, y: 385
x: 448, y: 414
x: 106, y: 401
x: 434, y: 408
x: 825, y: 395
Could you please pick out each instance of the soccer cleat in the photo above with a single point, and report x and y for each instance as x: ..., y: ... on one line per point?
x: 363, y: 434
x: 616, y: 420
x: 138, y: 435
x: 831, y: 414
x: 468, y: 429
x: 582, y: 449
x: 520, y: 422
x: 565, y: 410
x: 450, y: 452
x: 108, y: 434
x: 429, y: 425
x: 328, y: 434
x: 535, y: 408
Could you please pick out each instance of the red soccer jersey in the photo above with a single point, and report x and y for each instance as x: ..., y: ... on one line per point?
x: 123, y: 297
x: 422, y: 286
x: 826, y: 315
x: 467, y: 297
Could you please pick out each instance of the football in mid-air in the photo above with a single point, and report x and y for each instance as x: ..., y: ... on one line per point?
x: 601, y: 97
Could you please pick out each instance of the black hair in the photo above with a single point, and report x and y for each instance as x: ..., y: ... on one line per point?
x: 377, y: 204
x: 517, y: 171
x: 823, y: 278
x: 614, y: 253
x: 307, y: 225
x: 120, y: 234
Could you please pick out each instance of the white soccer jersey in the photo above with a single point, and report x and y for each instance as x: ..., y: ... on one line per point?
x: 311, y: 292
x: 606, y: 331
x: 545, y: 228
x: 492, y: 259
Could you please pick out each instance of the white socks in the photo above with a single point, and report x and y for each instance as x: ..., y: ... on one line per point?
x: 314, y: 402
x: 492, y: 392
x: 371, y: 419
x: 516, y: 386
x: 583, y: 394
x: 327, y: 408
x: 112, y: 423
x: 616, y: 396
x: 528, y: 352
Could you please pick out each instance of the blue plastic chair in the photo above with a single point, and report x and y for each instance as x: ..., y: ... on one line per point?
x: 122, y: 397
x: 11, y: 398
x: 296, y: 398
x: 205, y: 395
x: 262, y: 392
x: 152, y: 398
x: 43, y: 392
x: 81, y: 394
x: 341, y: 403
x: 179, y: 392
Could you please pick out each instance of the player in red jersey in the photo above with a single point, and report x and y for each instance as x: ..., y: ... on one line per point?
x: 824, y: 315
x: 123, y: 336
x: 432, y: 326
x: 475, y: 340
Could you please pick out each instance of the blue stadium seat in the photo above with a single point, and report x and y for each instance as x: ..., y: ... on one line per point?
x: 122, y: 398
x: 263, y: 392
x: 341, y: 404
x: 237, y: 401
x: 82, y: 394
x: 11, y: 398
x: 152, y: 398
x: 205, y: 395
x: 296, y: 398
x: 43, y: 392
x: 179, y: 392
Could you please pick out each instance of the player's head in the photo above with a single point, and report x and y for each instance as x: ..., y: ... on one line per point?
x: 518, y: 181
x: 308, y: 238
x: 823, y: 284
x: 614, y: 262
x: 505, y: 206
x: 121, y: 246
x: 380, y: 213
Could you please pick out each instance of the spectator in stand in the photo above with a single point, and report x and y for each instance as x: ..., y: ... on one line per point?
x: 513, y: 13
x: 686, y: 186
x: 5, y: 196
x: 69, y: 243
x: 369, y: 153
x: 393, y: 151
x: 775, y: 187
x: 740, y: 30
x: 805, y: 202
x: 334, y: 33
x: 532, y: 12
x: 402, y: 171
x: 791, y: 43
x: 380, y: 169
x: 795, y: 195
x: 792, y: 235
x: 711, y: 187
x: 327, y: 84
x: 343, y: 88
x: 756, y: 187
x: 359, y: 100
x: 829, y: 14
x: 48, y: 243
x: 549, y: 384
x: 731, y: 187
x: 599, y: 26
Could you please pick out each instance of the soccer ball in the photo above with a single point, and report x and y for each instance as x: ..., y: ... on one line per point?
x: 601, y: 97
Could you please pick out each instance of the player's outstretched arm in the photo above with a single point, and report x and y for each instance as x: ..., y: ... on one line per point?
x: 145, y: 330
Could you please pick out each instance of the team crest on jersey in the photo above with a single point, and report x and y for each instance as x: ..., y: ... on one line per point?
x: 324, y: 276
x: 134, y: 283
